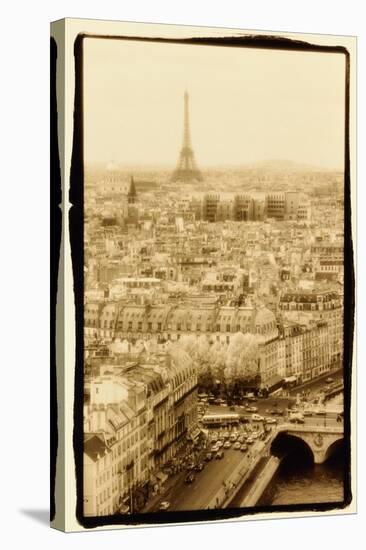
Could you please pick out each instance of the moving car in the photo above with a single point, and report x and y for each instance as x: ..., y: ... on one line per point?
x: 271, y: 420
x: 277, y: 412
x: 297, y: 418
x: 257, y: 417
x: 243, y: 447
x: 165, y: 505
x: 251, y: 409
x: 329, y: 380
x: 190, y: 478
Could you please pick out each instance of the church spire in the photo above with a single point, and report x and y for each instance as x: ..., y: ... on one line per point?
x: 132, y: 195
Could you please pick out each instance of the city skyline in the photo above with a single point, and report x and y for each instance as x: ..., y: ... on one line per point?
x: 296, y: 102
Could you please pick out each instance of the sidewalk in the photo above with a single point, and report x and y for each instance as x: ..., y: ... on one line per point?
x: 314, y: 381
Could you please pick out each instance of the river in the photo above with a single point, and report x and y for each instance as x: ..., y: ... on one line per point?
x: 303, y: 482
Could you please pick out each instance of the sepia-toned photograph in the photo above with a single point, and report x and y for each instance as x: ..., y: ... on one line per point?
x: 216, y: 351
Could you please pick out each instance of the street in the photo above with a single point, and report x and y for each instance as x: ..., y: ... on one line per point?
x: 207, y: 483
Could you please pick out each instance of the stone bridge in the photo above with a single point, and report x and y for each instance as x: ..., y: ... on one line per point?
x: 320, y: 439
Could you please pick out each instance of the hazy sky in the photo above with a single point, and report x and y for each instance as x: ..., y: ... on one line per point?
x: 246, y: 104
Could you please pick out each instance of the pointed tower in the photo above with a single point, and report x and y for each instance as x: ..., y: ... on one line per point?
x: 186, y: 169
x: 132, y: 195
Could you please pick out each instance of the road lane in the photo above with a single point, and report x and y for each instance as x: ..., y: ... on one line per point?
x: 207, y: 483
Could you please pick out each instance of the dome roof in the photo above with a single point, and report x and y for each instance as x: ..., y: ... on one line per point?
x: 264, y: 316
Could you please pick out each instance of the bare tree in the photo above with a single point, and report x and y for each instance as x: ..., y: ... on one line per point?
x: 242, y: 356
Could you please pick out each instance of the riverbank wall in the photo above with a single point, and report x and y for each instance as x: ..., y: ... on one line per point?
x: 261, y: 482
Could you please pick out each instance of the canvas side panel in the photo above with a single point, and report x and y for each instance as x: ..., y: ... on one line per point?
x: 57, y: 486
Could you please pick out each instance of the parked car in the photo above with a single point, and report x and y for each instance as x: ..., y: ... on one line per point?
x: 271, y: 420
x: 227, y: 444
x: 250, y: 440
x: 219, y: 454
x: 165, y: 505
x: 208, y: 456
x: 244, y: 447
x: 199, y: 466
x: 237, y: 446
x: 251, y: 409
x: 190, y: 478
x: 320, y: 412
x: 244, y: 419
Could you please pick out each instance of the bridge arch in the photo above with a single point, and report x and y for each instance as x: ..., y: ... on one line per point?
x: 285, y: 444
x: 322, y: 441
x: 333, y: 448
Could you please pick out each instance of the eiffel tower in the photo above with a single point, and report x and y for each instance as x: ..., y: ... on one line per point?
x: 186, y: 169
